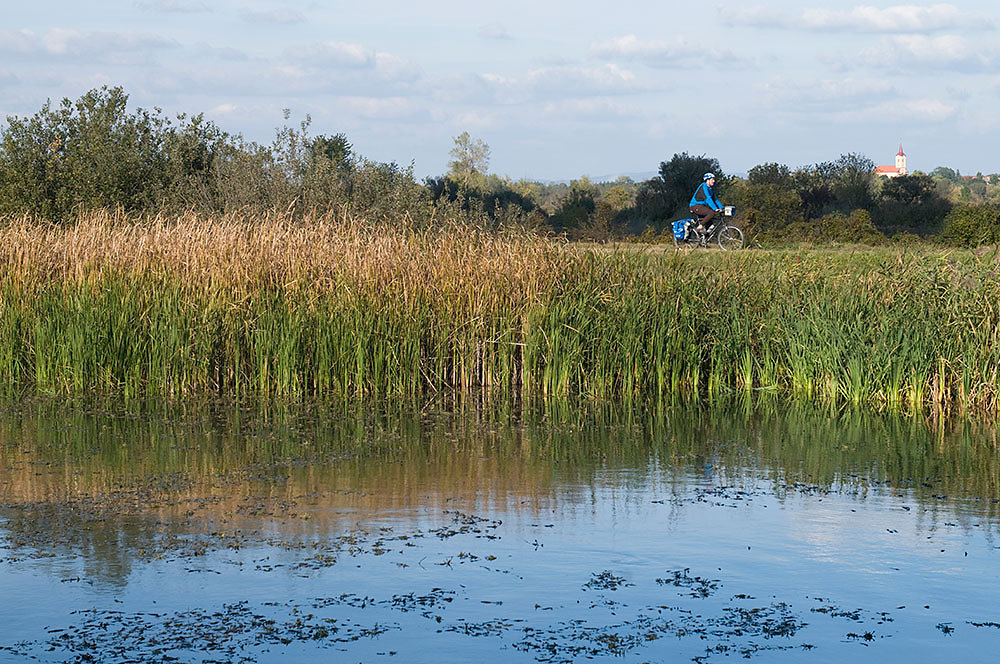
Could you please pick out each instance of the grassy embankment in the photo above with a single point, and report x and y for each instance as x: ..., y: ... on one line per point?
x: 336, y: 307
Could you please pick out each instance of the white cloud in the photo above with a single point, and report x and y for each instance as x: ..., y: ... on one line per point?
x: 343, y: 72
x: 847, y: 101
x: 755, y: 16
x: 352, y: 65
x: 864, y: 18
x: 661, y: 53
x: 475, y: 120
x: 223, y: 53
x: 596, y: 109
x: 175, y: 6
x: 272, y: 16
x: 543, y: 85
x: 77, y: 44
x: 910, y: 111
x: 921, y: 52
x: 335, y: 53
x: 494, y: 31
x: 557, y: 82
x: 630, y: 46
x: 391, y: 108
x: 827, y: 94
x: 585, y: 80
x: 79, y: 48
x: 930, y: 110
x: 224, y: 109
x: 394, y: 68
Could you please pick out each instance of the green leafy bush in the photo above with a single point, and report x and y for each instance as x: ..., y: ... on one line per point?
x: 972, y: 226
x: 84, y: 154
x: 837, y: 228
x: 93, y: 154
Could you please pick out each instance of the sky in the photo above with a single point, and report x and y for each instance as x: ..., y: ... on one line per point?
x: 558, y: 89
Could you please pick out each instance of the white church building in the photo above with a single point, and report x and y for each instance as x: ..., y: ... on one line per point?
x: 898, y: 169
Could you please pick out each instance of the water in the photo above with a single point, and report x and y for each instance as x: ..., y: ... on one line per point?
x: 553, y: 533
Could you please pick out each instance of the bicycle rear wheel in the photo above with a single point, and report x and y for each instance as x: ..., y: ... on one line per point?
x: 730, y: 238
x: 686, y: 242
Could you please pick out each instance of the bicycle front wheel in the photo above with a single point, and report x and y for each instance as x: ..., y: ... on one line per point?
x: 730, y: 238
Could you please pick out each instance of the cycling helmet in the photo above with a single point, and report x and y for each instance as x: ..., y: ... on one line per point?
x: 708, y: 176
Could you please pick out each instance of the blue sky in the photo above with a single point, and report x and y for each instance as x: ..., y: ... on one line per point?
x: 558, y: 89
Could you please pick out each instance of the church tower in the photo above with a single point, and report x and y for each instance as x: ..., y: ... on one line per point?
x: 894, y: 171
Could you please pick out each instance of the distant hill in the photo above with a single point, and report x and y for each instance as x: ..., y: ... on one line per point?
x: 637, y: 176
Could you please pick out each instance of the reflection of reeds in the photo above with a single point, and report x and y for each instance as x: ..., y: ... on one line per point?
x: 335, y: 306
x: 384, y: 457
x: 112, y: 489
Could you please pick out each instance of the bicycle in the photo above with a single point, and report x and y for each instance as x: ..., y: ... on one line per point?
x: 729, y: 238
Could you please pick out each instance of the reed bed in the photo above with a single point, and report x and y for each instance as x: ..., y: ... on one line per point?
x: 333, y: 306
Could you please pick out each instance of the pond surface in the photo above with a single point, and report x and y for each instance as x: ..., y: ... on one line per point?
x: 551, y: 533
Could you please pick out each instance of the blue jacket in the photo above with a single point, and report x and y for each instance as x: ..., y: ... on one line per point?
x: 705, y: 195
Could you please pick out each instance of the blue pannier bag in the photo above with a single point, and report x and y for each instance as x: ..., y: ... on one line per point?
x: 680, y: 228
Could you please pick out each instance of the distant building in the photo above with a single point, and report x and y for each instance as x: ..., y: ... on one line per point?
x: 898, y: 169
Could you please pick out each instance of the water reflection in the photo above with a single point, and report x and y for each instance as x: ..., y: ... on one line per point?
x: 110, y: 485
x: 585, y: 501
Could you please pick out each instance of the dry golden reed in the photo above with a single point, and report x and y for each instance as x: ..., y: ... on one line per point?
x: 238, y: 253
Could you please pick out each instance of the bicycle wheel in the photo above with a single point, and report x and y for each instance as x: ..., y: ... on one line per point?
x: 730, y: 238
x: 684, y: 243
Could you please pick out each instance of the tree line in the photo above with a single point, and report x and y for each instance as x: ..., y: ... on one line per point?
x: 94, y: 153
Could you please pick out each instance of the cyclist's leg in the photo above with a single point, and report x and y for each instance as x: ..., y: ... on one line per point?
x: 705, y: 215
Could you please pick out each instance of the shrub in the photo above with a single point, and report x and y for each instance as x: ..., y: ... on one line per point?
x: 972, y: 226
x: 856, y: 228
x: 766, y: 206
x: 85, y: 154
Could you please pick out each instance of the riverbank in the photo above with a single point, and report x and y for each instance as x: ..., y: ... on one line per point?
x: 334, y: 306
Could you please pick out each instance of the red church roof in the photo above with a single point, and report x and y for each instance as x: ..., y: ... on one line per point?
x: 886, y: 169
x: 900, y: 153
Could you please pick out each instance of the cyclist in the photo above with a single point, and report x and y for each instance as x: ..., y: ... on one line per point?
x: 704, y: 204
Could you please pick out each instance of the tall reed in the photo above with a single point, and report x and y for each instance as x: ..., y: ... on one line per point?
x: 332, y: 305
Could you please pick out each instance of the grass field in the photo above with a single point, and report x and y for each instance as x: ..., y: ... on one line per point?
x: 332, y: 306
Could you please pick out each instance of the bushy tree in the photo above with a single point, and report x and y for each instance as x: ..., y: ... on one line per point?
x: 494, y: 198
x: 576, y: 209
x: 766, y: 205
x: 335, y: 150
x: 470, y: 160
x: 93, y: 153
x: 972, y: 226
x: 814, y: 186
x: 775, y: 174
x: 854, y: 185
x: 945, y: 173
x: 330, y: 171
x: 664, y: 197
x: 911, y: 204
x: 836, y: 227
x: 388, y: 193
x: 193, y: 151
x: 85, y: 154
